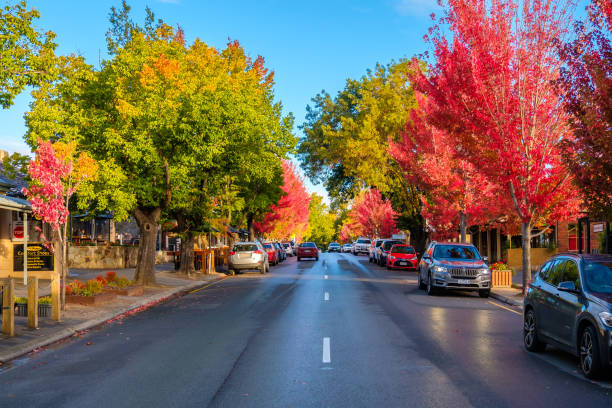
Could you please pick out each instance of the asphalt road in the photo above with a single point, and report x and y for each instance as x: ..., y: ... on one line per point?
x: 334, y: 333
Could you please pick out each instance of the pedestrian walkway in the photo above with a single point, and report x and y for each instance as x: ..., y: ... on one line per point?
x: 77, y: 318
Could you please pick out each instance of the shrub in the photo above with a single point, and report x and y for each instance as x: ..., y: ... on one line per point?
x: 101, y: 279
x: 20, y: 299
x: 500, y: 266
x: 93, y: 286
x: 45, y: 300
x: 111, y: 275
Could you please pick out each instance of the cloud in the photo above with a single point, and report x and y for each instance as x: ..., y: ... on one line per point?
x: 416, y: 7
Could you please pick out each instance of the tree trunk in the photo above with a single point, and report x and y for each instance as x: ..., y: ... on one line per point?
x: 187, y: 255
x: 147, y: 220
x: 526, y: 231
x: 462, y: 226
x: 62, y: 251
x: 251, y: 226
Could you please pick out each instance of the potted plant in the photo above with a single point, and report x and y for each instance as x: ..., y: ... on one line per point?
x: 21, y: 306
x: 501, y: 275
x: 44, y: 306
x: 119, y: 285
x: 88, y: 293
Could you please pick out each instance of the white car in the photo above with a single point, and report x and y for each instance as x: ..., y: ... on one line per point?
x: 248, y: 255
x: 361, y: 246
x: 288, y: 248
x: 347, y: 248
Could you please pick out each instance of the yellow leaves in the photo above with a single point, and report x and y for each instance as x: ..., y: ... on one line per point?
x: 83, y: 167
x: 126, y: 109
x: 167, y: 68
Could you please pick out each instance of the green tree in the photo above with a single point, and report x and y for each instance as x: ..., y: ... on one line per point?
x: 26, y: 55
x: 346, y: 139
x: 321, y: 222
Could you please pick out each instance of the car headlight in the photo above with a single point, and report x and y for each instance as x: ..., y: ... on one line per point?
x: 440, y: 269
x: 391, y: 257
x: 606, y: 318
x: 485, y: 270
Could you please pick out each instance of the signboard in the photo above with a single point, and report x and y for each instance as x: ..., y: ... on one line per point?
x: 39, y: 257
x: 17, y: 231
x: 598, y: 227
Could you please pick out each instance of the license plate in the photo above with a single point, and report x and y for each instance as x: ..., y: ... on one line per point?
x: 463, y: 281
x: 402, y: 264
x: 245, y: 256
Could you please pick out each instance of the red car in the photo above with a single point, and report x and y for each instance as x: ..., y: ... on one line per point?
x: 272, y: 255
x: 308, y: 250
x: 402, y: 257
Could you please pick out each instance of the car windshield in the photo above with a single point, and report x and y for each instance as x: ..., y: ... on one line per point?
x: 286, y: 245
x: 402, y: 249
x: 245, y: 247
x: 456, y: 252
x: 363, y: 241
x: 348, y: 245
x: 388, y: 244
x: 334, y: 244
x: 378, y: 243
x: 598, y: 276
x: 268, y: 246
x: 308, y: 245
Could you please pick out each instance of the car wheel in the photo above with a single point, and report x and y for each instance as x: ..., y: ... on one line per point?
x: 389, y: 267
x: 299, y: 259
x: 231, y: 272
x: 422, y: 286
x: 484, y: 293
x: 317, y: 258
x: 590, y: 362
x: 262, y: 270
x: 431, y: 290
x: 530, y: 333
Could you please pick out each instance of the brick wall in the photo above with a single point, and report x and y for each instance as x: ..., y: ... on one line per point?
x: 568, y: 236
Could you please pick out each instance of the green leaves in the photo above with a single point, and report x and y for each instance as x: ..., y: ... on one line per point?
x: 26, y: 55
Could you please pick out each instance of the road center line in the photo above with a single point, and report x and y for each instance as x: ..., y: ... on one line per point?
x: 326, y: 296
x: 326, y: 350
x: 506, y: 308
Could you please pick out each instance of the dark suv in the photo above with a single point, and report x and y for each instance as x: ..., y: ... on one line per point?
x: 450, y: 265
x: 569, y: 305
x: 383, y: 250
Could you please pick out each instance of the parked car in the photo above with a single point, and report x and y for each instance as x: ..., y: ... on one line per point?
x: 450, y: 265
x: 248, y: 255
x: 569, y: 305
x: 361, y: 246
x: 288, y: 248
x: 372, y: 249
x: 334, y: 247
x: 383, y: 250
x: 281, y: 252
x: 402, y: 256
x: 307, y: 250
x: 347, y: 247
x: 272, y: 253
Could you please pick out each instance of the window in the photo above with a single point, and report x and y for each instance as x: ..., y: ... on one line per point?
x: 402, y: 249
x: 545, y: 270
x: 571, y: 274
x: 598, y: 276
x: 363, y: 241
x: 556, y: 272
x: 388, y: 244
x: 245, y: 247
x: 456, y: 252
x: 307, y: 245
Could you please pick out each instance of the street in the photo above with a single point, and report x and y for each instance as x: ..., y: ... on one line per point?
x: 339, y: 332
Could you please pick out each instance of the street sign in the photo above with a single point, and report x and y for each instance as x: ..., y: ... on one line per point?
x: 39, y: 257
x: 17, y: 232
x: 598, y: 227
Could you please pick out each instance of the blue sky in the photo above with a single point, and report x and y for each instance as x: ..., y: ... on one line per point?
x: 310, y: 45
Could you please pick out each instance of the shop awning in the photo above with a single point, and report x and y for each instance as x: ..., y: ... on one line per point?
x: 15, y: 204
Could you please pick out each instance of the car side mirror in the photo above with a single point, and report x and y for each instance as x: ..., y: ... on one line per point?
x: 426, y: 256
x: 485, y: 259
x: 567, y: 286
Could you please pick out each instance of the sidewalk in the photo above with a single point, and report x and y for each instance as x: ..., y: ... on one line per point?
x: 77, y: 318
x: 512, y: 296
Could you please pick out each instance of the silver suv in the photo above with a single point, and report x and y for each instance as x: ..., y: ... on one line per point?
x: 450, y: 265
x: 362, y: 245
x: 248, y: 255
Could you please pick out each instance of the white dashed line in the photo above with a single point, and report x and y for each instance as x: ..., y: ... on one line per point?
x: 326, y: 296
x: 326, y: 350
x: 325, y: 277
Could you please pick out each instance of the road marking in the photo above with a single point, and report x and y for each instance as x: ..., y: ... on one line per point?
x: 326, y: 351
x: 325, y: 277
x: 209, y: 285
x: 326, y: 296
x: 506, y: 308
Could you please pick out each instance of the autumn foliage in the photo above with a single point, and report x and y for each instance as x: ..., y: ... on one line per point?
x: 290, y: 215
x: 370, y: 216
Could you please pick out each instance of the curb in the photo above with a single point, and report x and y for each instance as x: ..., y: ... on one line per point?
x: 132, y: 308
x: 507, y: 300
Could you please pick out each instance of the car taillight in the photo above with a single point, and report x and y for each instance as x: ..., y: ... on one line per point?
x: 232, y: 253
x: 257, y: 252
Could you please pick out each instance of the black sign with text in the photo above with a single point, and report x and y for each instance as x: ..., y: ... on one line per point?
x: 40, y: 258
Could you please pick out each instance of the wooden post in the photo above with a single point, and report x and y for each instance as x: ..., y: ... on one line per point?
x: 33, y: 302
x: 55, y: 298
x: 8, y: 309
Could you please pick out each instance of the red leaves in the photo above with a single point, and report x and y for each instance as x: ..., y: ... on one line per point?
x: 370, y: 216
x: 290, y: 215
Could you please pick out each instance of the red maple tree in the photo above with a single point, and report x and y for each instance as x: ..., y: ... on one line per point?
x: 370, y: 216
x: 493, y: 88
x: 289, y: 217
x: 586, y: 82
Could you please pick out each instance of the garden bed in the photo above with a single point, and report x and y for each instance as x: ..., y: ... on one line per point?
x: 129, y: 291
x: 91, y: 300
